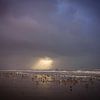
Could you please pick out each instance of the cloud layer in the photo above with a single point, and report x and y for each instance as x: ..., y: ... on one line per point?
x: 65, y: 30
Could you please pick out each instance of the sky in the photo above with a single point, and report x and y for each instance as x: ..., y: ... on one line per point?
x: 66, y: 31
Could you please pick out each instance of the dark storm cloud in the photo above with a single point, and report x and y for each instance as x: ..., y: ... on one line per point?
x: 67, y: 30
x: 93, y: 5
x: 3, y: 7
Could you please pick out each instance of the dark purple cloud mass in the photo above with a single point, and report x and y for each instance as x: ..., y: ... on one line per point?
x: 68, y: 31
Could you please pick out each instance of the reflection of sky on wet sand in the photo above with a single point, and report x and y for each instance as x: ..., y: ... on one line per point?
x: 49, y: 85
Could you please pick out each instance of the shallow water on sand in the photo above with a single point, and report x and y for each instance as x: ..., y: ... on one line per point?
x: 45, y: 86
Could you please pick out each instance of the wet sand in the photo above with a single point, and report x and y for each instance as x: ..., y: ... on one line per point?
x: 48, y: 86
